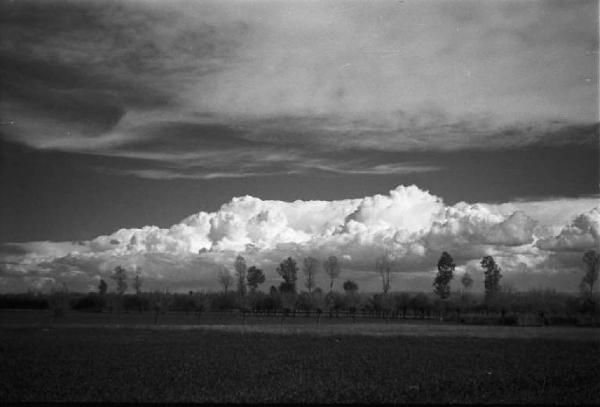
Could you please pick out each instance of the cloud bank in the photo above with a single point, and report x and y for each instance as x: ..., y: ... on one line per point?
x: 409, y: 224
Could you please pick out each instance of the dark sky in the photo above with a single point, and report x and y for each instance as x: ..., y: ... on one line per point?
x: 50, y: 195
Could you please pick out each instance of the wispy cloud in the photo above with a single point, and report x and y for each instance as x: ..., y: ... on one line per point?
x: 170, y: 84
x: 174, y: 174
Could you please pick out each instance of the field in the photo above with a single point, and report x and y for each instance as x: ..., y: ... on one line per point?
x: 294, y: 362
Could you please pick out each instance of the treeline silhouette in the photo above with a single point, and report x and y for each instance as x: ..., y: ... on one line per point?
x: 241, y: 296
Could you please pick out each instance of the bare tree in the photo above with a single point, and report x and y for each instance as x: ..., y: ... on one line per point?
x: 351, y: 298
x: 161, y: 301
x: 592, y: 261
x: 318, y: 302
x: 240, y: 273
x: 332, y: 269
x: 310, y: 269
x: 383, y: 265
x: 138, y: 281
x: 120, y: 277
x: 225, y: 278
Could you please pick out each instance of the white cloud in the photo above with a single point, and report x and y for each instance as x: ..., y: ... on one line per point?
x: 551, y: 213
x: 582, y: 234
x: 409, y: 223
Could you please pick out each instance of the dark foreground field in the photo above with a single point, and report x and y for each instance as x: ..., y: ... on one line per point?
x: 64, y: 363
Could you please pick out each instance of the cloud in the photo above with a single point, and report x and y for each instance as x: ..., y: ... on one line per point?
x: 582, y: 234
x: 172, y: 85
x: 410, y: 224
x: 551, y: 213
x: 356, y: 58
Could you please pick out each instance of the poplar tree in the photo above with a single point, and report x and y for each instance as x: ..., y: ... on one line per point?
x: 492, y: 277
x: 288, y: 270
x: 120, y: 277
x: 441, y: 284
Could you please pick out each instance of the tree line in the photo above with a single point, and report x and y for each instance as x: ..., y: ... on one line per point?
x: 241, y: 292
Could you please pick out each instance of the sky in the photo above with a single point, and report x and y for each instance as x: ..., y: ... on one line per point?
x: 304, y: 128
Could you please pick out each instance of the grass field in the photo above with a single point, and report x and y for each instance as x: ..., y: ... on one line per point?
x: 232, y: 322
x: 236, y: 363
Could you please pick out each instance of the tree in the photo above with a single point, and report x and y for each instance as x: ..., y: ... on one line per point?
x: 288, y: 270
x: 383, y: 305
x: 225, y: 278
x: 420, y: 304
x: 310, y: 269
x: 240, y: 272
x: 318, y: 302
x: 466, y: 280
x: 592, y: 261
x: 137, y: 282
x: 120, y: 276
x: 58, y: 301
x: 304, y: 302
x: 332, y: 269
x: 383, y: 265
x: 255, y: 277
x: 350, y: 286
x: 352, y: 299
x: 102, y: 287
x: 402, y: 303
x: 334, y: 302
x: 492, y: 278
x: 441, y: 283
x: 160, y: 302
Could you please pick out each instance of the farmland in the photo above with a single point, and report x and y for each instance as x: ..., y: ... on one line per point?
x: 296, y: 362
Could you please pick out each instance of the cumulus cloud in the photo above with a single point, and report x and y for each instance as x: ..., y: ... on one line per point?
x: 582, y: 234
x: 552, y: 214
x: 410, y: 224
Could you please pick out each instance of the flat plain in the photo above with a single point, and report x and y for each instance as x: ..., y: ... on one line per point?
x: 297, y: 362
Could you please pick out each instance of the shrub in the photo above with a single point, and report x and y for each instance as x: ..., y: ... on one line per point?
x: 224, y: 301
x: 420, y: 304
x: 135, y: 303
x: 90, y: 303
x: 334, y: 301
x: 23, y: 301
x: 402, y: 301
x: 183, y: 302
x: 304, y: 302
